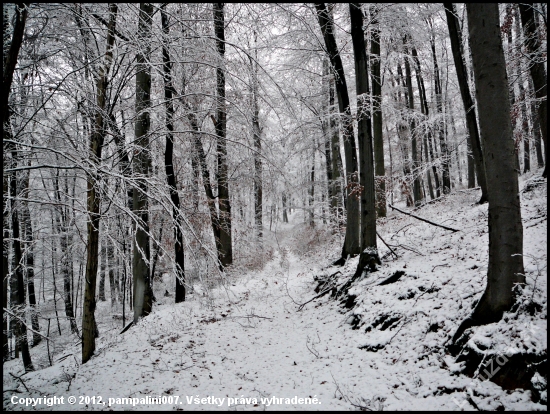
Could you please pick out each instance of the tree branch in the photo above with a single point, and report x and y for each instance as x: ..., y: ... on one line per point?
x: 424, y: 220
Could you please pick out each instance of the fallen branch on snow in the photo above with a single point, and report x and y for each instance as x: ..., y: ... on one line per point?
x: 424, y: 220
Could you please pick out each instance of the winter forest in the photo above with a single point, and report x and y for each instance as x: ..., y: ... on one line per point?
x: 274, y: 206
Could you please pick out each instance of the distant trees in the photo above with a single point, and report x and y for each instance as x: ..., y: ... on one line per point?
x: 536, y: 70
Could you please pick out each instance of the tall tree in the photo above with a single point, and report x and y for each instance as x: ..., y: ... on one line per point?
x: 469, y: 108
x: 10, y: 56
x: 336, y: 200
x: 352, y: 241
x: 369, y: 253
x: 440, y: 123
x: 257, y: 139
x: 417, y: 185
x: 366, y: 175
x: 89, y: 326
x: 220, y: 124
x: 505, y: 270
x: 378, y: 138
x: 143, y: 296
x: 536, y: 69
x: 169, y: 93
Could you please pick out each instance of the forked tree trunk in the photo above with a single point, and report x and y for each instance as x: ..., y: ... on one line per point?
x: 505, y: 269
x: 471, y: 122
x: 352, y: 241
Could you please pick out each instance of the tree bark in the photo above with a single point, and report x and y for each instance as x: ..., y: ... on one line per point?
x: 142, y: 161
x: 89, y: 326
x: 366, y: 175
x: 505, y: 269
x: 256, y: 134
x: 425, y: 110
x: 469, y: 108
x: 169, y: 161
x: 417, y: 185
x: 352, y: 241
x: 10, y: 56
x: 440, y: 123
x: 378, y: 138
x: 337, y: 196
x: 62, y: 223
x: 536, y: 69
x: 226, y: 254
x: 28, y: 243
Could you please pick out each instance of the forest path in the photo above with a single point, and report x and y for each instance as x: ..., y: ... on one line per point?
x: 247, y: 338
x: 259, y: 347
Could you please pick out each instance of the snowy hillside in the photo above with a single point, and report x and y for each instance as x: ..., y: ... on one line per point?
x: 249, y: 345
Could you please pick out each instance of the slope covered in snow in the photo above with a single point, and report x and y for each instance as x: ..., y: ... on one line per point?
x: 249, y: 345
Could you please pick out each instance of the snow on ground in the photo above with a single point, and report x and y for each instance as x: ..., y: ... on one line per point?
x: 245, y: 346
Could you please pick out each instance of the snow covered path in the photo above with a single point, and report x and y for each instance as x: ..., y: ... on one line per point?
x: 252, y: 343
x: 247, y: 347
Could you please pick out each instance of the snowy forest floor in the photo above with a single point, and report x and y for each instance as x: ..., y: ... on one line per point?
x: 246, y: 339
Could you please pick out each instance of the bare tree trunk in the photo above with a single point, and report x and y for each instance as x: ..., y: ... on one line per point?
x: 440, y: 124
x: 20, y: 301
x: 425, y: 110
x: 535, y: 123
x: 536, y: 68
x: 366, y: 151
x: 102, y: 271
x: 471, y: 122
x: 10, y: 56
x: 311, y: 188
x: 26, y: 225
x: 62, y: 223
x: 325, y: 126
x: 169, y: 162
x: 505, y: 269
x: 226, y: 254
x: 352, y: 241
x: 337, y: 196
x: 89, y: 326
x: 206, y: 180
x: 402, y: 133
x: 5, y: 262
x: 417, y: 186
x: 142, y: 161
x: 378, y: 138
x: 112, y: 265
x: 256, y: 132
